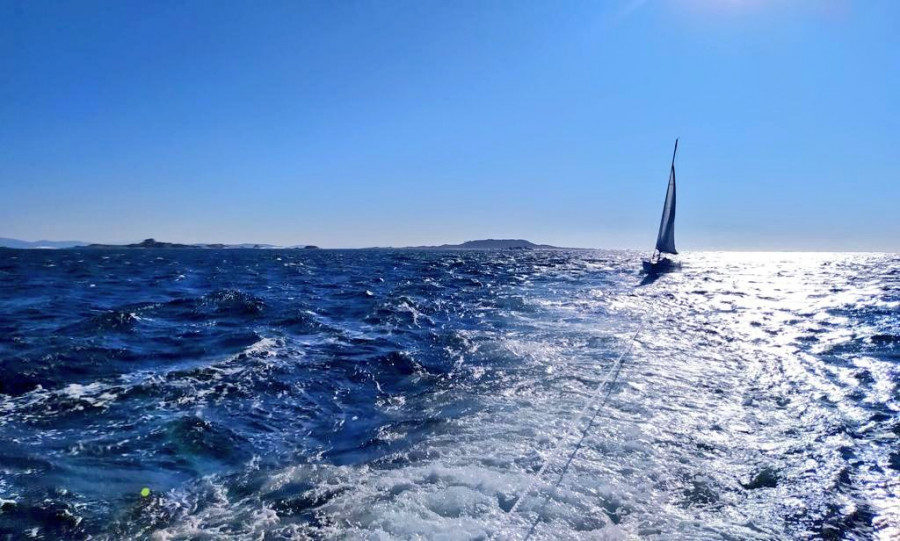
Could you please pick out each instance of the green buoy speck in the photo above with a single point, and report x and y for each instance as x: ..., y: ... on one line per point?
x: 145, y: 492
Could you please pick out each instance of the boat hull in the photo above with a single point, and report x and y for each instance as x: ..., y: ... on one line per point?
x: 661, y: 266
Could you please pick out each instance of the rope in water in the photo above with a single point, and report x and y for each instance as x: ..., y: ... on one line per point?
x: 606, y: 382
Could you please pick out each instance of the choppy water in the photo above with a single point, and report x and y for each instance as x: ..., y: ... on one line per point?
x: 379, y: 395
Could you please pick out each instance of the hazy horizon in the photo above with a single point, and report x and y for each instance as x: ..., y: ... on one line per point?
x: 437, y: 244
x: 406, y: 124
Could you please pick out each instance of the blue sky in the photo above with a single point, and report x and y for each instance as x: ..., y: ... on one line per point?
x: 350, y: 124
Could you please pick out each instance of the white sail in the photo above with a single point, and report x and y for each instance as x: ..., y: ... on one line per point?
x: 665, y: 240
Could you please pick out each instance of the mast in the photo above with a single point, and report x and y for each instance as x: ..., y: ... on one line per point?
x: 674, y: 152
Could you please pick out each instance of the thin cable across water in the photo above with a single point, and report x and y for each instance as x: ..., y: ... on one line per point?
x: 607, y: 382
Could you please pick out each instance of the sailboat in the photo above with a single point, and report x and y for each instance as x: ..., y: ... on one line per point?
x: 665, y: 239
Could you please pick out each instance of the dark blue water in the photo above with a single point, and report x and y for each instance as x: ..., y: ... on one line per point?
x: 410, y: 394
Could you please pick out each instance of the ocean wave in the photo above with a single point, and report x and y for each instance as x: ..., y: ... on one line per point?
x: 388, y: 394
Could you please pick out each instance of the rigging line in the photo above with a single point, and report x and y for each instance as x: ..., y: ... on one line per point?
x: 610, y: 378
x: 584, y: 433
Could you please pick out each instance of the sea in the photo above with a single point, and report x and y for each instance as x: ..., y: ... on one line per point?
x: 175, y: 394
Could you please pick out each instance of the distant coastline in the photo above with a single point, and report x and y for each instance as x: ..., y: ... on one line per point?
x: 153, y: 243
x: 145, y: 244
x: 489, y: 244
x: 471, y: 245
x: 40, y: 244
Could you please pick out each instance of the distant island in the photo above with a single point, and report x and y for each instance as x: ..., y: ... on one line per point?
x: 147, y: 243
x: 489, y: 244
x: 484, y: 244
x: 39, y: 244
x: 153, y: 243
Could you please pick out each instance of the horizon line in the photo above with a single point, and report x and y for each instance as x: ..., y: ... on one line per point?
x: 269, y: 246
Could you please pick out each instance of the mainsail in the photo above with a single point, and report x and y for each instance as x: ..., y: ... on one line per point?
x: 665, y: 240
